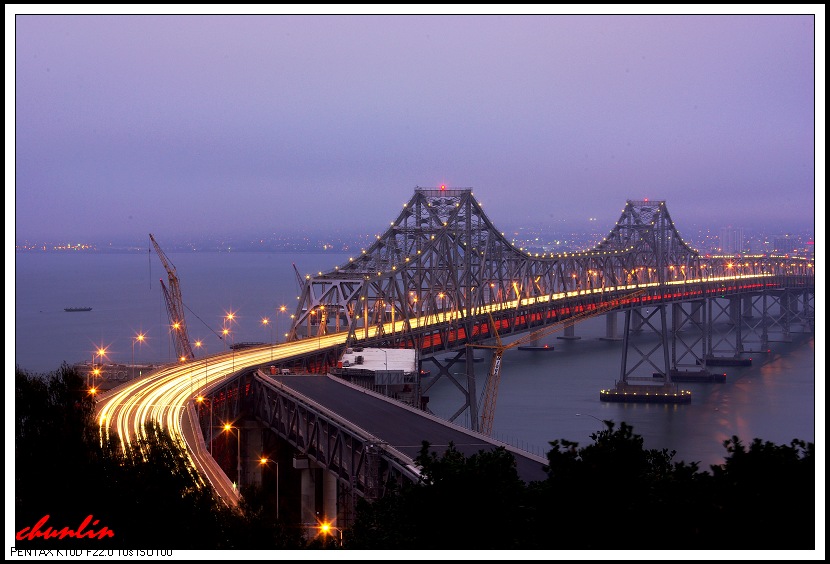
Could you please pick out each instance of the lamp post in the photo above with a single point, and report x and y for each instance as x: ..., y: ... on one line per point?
x: 265, y: 322
x: 263, y: 462
x: 226, y: 331
x: 96, y: 372
x: 228, y: 427
x: 198, y: 345
x: 139, y: 338
x: 280, y: 310
x: 326, y: 528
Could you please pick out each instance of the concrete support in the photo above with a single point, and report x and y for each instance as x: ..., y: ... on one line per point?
x: 251, y: 453
x: 611, y: 327
x: 569, y: 332
x: 308, y: 499
x: 330, y: 509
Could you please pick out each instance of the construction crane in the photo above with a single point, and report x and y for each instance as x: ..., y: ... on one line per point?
x: 491, y: 386
x: 175, y: 306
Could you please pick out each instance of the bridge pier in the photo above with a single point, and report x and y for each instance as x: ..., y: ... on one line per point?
x: 611, y: 327
x: 569, y: 333
x: 252, y: 453
x: 747, y: 305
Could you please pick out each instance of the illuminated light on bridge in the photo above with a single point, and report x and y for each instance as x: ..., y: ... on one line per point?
x: 371, y: 294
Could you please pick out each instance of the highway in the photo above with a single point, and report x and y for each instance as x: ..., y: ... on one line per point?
x: 372, y: 412
x: 163, y: 396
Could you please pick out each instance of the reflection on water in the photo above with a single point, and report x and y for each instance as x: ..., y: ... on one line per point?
x: 540, y: 394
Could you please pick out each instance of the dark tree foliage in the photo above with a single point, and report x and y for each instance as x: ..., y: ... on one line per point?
x: 54, y: 440
x: 473, y: 503
x: 147, y: 492
x: 610, y: 495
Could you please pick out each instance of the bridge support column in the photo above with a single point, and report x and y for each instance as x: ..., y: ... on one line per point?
x: 611, y: 327
x: 308, y: 487
x: 735, y: 311
x: 747, y: 306
x: 569, y: 332
x: 677, y: 317
x: 252, y: 441
x: 330, y: 507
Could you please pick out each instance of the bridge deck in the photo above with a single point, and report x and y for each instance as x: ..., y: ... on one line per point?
x: 401, y: 427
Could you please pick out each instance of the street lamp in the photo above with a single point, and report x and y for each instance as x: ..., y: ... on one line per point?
x: 225, y: 333
x: 265, y: 322
x: 139, y: 338
x: 228, y: 428
x: 101, y: 352
x: 198, y: 345
x: 263, y: 462
x: 282, y: 309
x: 327, y: 528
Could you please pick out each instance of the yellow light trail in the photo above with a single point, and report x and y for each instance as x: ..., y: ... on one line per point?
x: 163, y: 395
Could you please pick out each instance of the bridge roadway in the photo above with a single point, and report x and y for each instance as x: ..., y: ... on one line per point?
x: 164, y: 395
x: 401, y: 426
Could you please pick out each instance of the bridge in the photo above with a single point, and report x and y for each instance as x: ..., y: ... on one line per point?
x: 440, y: 281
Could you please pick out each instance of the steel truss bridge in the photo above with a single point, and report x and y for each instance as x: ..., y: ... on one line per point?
x: 443, y: 277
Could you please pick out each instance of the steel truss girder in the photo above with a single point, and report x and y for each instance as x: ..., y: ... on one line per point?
x: 688, y: 334
x: 659, y: 370
x: 443, y: 255
x: 363, y: 464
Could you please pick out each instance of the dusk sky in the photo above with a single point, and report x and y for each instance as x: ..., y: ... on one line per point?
x: 194, y: 124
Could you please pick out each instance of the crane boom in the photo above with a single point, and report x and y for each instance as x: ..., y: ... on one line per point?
x: 175, y: 306
x: 491, y: 386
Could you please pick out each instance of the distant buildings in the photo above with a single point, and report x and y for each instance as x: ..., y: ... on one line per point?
x: 732, y: 240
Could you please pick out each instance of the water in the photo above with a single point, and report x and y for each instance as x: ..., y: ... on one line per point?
x: 540, y: 393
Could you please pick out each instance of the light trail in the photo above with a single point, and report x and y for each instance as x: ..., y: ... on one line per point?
x: 162, y: 396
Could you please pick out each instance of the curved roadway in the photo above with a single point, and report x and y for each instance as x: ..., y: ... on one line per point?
x: 163, y: 396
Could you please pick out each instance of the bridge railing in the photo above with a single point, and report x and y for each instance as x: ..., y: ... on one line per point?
x: 398, y: 461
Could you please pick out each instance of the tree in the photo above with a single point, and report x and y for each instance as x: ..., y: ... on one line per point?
x: 475, y: 502
x: 147, y: 492
x: 611, y: 494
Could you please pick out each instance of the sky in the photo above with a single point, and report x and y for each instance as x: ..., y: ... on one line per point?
x: 180, y: 125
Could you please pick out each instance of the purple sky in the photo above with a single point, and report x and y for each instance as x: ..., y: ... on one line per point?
x: 179, y: 125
